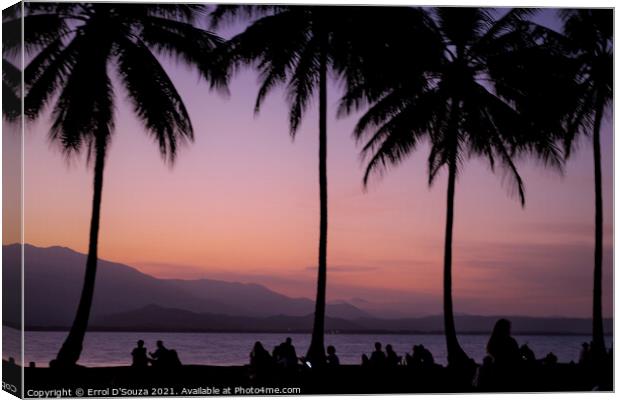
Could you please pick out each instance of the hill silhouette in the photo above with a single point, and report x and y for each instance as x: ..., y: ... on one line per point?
x: 53, y: 278
x: 126, y: 299
x: 155, y: 318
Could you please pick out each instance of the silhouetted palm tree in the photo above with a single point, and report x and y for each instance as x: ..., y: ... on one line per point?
x: 455, y: 98
x: 297, y: 46
x: 11, y: 55
x: 590, y: 40
x: 79, y: 44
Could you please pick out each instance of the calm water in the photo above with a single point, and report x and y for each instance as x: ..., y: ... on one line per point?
x: 113, y: 348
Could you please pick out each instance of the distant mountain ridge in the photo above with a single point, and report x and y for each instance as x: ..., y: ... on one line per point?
x: 54, y: 276
x: 126, y: 299
x: 154, y: 318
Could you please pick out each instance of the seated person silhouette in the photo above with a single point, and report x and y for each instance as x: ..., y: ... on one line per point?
x: 420, y: 357
x: 162, y: 357
x: 365, y: 361
x: 550, y: 359
x: 277, y: 355
x: 377, y: 358
x: 426, y: 357
x: 502, y: 347
x: 288, y: 353
x: 484, y: 374
x: 332, y: 358
x: 585, y: 356
x: 391, y: 358
x: 413, y: 360
x: 138, y: 355
x: 259, y: 357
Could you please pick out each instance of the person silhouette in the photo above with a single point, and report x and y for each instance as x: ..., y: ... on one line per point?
x: 503, y: 347
x: 413, y: 360
x: 160, y: 355
x: 550, y: 359
x: 483, y: 378
x: 426, y: 357
x: 259, y: 357
x: 288, y: 353
x: 377, y: 358
x: 365, y: 361
x: 391, y: 358
x: 138, y: 355
x: 585, y: 356
x: 332, y: 358
x: 277, y: 355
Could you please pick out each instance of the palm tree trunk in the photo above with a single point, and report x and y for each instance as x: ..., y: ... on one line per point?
x: 456, y: 355
x: 316, y: 352
x: 72, y: 347
x: 598, y: 340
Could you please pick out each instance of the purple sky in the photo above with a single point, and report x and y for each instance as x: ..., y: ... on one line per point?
x: 241, y: 203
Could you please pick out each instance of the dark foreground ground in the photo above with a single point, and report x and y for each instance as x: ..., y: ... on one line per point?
x: 195, y: 380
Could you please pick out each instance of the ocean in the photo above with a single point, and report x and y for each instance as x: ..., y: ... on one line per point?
x: 114, y: 348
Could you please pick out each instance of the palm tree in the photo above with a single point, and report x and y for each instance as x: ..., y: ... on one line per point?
x: 11, y: 55
x: 590, y: 40
x: 297, y: 46
x: 71, y: 70
x: 461, y: 99
x: 291, y: 47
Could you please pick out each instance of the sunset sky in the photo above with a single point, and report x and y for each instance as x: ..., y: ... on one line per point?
x: 241, y: 203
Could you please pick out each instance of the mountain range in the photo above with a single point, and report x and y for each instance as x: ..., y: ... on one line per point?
x: 127, y: 299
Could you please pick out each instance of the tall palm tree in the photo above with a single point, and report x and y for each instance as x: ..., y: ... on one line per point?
x: 458, y: 100
x: 297, y: 46
x: 291, y: 46
x: 71, y: 69
x: 590, y: 42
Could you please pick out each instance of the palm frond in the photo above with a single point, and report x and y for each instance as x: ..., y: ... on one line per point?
x: 274, y: 55
x: 302, y: 83
x: 155, y: 99
x: 48, y: 71
x: 229, y: 13
x: 39, y: 31
x: 192, y: 45
x: 79, y: 116
x: 11, y: 91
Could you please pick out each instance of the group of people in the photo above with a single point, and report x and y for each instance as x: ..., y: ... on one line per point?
x: 504, y: 351
x: 507, y: 362
x: 420, y: 357
x: 504, y: 356
x: 283, y: 355
x: 161, y: 357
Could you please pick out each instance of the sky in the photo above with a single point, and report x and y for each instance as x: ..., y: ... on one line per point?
x: 241, y: 204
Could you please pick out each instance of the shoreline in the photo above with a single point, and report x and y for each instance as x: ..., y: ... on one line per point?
x: 294, y: 331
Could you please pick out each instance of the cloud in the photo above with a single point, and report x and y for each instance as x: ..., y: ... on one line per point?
x: 346, y: 268
x: 535, y: 278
